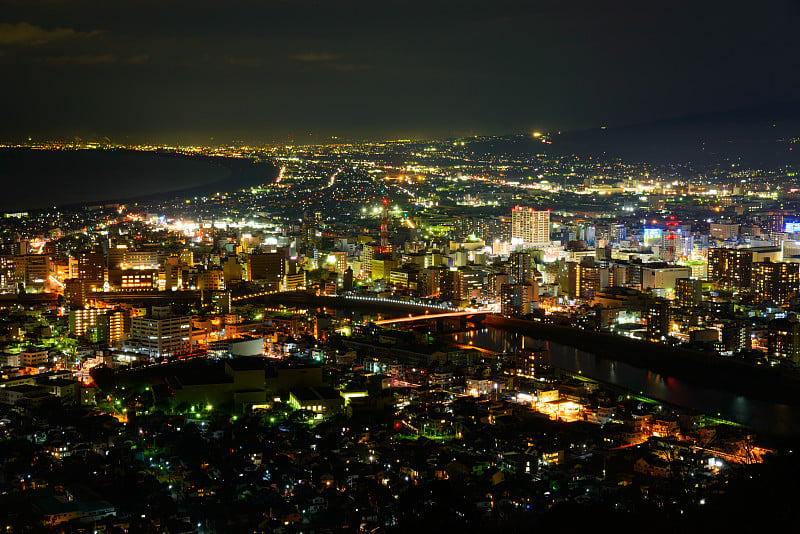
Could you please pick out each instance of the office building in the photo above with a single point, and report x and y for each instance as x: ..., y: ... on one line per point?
x: 724, y: 231
x: 139, y: 280
x: 161, y: 334
x: 267, y: 269
x: 663, y: 276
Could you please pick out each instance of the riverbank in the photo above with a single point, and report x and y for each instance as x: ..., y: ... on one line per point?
x: 699, y: 368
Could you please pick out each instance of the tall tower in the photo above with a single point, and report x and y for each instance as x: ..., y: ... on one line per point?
x: 385, y: 227
x: 669, y: 242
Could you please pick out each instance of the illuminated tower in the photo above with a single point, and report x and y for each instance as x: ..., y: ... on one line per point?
x: 385, y: 227
x: 669, y: 242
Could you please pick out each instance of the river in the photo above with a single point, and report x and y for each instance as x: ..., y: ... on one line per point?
x: 781, y: 419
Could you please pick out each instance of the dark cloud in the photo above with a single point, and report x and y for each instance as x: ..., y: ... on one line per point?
x: 23, y: 33
x: 138, y: 59
x: 349, y: 67
x: 188, y: 70
x: 80, y: 60
x: 315, y: 57
x: 243, y: 61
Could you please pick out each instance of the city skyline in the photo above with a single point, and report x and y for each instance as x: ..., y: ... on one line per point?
x: 292, y: 266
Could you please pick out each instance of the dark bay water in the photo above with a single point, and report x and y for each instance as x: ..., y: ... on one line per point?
x: 776, y: 418
x: 37, y: 179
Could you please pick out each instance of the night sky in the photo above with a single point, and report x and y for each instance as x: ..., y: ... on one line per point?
x: 187, y: 72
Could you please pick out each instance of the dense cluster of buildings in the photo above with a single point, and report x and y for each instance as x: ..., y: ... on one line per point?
x: 168, y: 298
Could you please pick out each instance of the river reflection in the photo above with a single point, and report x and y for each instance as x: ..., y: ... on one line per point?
x: 772, y: 417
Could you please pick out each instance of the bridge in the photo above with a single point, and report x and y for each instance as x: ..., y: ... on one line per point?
x: 240, y: 298
x: 302, y: 298
x: 428, y: 317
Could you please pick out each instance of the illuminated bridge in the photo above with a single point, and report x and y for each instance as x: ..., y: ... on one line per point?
x: 302, y: 298
x: 432, y: 316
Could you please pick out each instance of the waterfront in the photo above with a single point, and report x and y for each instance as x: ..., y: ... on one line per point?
x: 776, y: 418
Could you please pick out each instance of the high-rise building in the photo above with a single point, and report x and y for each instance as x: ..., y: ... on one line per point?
x: 452, y: 285
x: 429, y: 281
x: 139, y: 280
x: 8, y: 273
x: 76, y: 292
x: 775, y: 281
x: 517, y: 299
x: 730, y: 268
x: 337, y: 260
x: 618, y: 274
x: 530, y: 227
x: 210, y: 280
x: 370, y: 252
x: 116, y: 257
x: 688, y: 292
x: 99, y: 325
x: 656, y: 202
x: 171, y: 276
x: 81, y: 320
x: 736, y: 336
x: 520, y: 268
x: 381, y: 268
x: 526, y: 361
x: 724, y: 231
x: 663, y: 276
x: 593, y: 279
x: 296, y: 280
x: 347, y: 279
x: 775, y: 223
x: 657, y: 318
x: 221, y: 301
x: 783, y: 339
x: 161, y: 334
x: 268, y: 269
x: 586, y: 279
x: 140, y: 259
x: 89, y: 266
x: 618, y: 233
x: 37, y: 270
x: 232, y: 270
x: 112, y: 326
x: 312, y: 228
x: 187, y: 257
